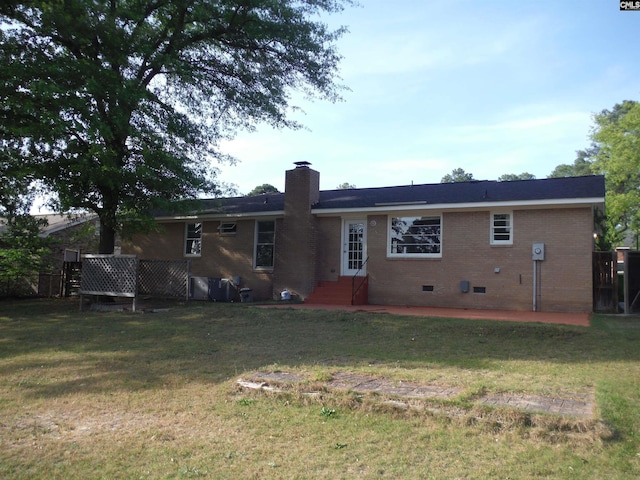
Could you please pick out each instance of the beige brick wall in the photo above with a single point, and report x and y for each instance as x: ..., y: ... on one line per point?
x: 222, y: 256
x: 329, y: 248
x: 565, y: 273
x: 297, y: 239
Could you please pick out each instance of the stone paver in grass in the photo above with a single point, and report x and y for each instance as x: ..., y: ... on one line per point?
x: 581, y: 407
x: 573, y: 404
x: 363, y: 384
x: 279, y: 377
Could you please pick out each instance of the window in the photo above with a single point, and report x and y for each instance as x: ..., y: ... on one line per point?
x: 501, y: 229
x: 227, y: 229
x: 415, y: 237
x: 265, y: 243
x: 193, y: 239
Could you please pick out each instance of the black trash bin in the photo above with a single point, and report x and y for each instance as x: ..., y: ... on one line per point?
x: 246, y: 295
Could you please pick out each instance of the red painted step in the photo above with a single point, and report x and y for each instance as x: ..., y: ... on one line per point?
x: 336, y: 293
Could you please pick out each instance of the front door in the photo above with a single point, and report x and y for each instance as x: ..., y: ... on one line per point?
x: 354, y: 247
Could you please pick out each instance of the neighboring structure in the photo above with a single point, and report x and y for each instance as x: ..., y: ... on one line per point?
x: 484, y: 244
x: 70, y: 236
x: 76, y: 232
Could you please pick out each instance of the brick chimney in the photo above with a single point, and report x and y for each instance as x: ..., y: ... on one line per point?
x: 295, y: 267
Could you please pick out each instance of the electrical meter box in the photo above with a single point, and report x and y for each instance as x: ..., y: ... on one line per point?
x: 537, y: 251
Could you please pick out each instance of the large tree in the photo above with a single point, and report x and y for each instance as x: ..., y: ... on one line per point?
x: 118, y: 106
x: 584, y: 164
x: 617, y: 136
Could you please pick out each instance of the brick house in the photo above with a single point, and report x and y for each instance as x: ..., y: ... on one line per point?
x: 518, y: 245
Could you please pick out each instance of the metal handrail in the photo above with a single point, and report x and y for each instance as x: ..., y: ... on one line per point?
x: 354, y: 290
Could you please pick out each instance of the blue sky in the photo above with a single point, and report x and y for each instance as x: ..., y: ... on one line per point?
x: 489, y: 86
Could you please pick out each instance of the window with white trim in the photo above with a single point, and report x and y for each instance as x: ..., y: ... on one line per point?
x: 501, y: 228
x: 415, y: 237
x: 193, y: 239
x: 264, y: 244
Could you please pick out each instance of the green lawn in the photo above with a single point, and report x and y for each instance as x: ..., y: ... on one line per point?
x: 121, y: 395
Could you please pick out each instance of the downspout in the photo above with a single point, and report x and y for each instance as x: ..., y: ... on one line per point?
x: 535, y: 285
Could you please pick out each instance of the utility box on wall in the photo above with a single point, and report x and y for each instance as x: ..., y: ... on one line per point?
x: 537, y: 251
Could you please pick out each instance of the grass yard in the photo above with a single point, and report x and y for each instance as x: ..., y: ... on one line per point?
x: 119, y: 395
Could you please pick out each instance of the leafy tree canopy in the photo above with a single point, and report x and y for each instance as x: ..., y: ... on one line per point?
x: 511, y: 177
x: 457, y: 175
x: 616, y: 135
x: 615, y: 153
x: 17, y: 185
x: 580, y: 167
x: 264, y: 188
x: 23, y: 252
x: 345, y: 186
x: 118, y: 106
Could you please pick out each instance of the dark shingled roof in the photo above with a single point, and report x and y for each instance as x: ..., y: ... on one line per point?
x: 485, y: 191
x: 466, y: 192
x: 267, y: 202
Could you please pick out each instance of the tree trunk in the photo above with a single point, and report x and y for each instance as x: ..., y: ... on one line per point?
x: 107, y: 239
x: 108, y: 222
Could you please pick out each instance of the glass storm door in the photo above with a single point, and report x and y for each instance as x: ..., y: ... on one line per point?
x: 354, y: 246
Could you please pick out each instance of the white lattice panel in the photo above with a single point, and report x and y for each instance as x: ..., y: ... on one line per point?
x: 163, y: 278
x: 109, y: 275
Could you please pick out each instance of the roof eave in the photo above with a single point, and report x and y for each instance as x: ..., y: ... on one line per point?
x: 550, y: 203
x: 403, y: 207
x: 221, y: 216
x: 47, y: 231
